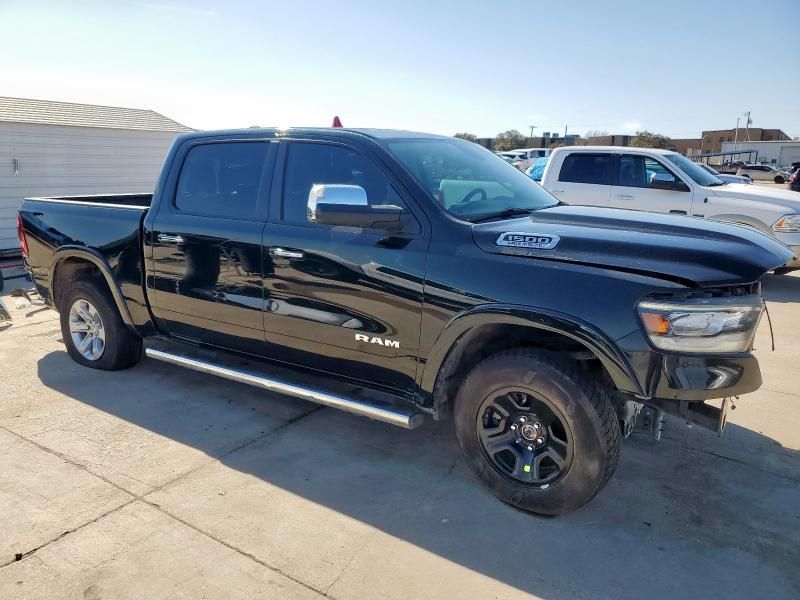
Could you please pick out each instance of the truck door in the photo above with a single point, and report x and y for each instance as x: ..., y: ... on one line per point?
x: 584, y: 178
x: 645, y: 183
x: 207, y: 279
x: 342, y: 300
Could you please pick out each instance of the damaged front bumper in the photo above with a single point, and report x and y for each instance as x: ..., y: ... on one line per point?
x: 680, y: 385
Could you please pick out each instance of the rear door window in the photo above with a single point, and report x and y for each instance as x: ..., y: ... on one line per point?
x: 223, y: 180
x: 585, y: 167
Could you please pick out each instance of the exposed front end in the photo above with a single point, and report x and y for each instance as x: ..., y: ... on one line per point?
x: 695, y: 346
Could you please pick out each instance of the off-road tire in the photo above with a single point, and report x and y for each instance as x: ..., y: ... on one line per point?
x: 123, y: 348
x: 585, y: 407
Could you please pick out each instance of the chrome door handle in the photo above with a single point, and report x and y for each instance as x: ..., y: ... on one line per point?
x: 165, y: 237
x: 624, y: 197
x: 284, y: 253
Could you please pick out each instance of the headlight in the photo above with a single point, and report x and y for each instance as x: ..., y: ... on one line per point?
x: 712, y: 325
x: 787, y: 224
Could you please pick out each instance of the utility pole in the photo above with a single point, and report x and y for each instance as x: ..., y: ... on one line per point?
x: 532, y: 128
x: 747, y: 124
x: 736, y: 137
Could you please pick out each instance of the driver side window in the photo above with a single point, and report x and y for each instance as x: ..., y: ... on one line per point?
x: 308, y: 164
x: 639, y: 171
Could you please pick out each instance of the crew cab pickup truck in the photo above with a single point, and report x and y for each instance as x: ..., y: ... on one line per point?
x: 397, y: 276
x: 667, y: 182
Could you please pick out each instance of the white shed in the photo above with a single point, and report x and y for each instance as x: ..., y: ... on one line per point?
x: 61, y: 148
x: 779, y: 153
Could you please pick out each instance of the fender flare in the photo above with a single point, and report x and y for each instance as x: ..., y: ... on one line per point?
x: 94, y: 257
x: 613, y: 359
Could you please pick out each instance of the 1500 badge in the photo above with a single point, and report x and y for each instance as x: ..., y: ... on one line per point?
x: 528, y: 240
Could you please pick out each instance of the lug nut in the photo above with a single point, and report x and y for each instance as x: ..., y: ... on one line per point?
x: 513, y: 427
x: 530, y: 447
x: 539, y: 440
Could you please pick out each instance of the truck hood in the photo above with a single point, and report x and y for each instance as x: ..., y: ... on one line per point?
x: 780, y: 197
x: 683, y: 249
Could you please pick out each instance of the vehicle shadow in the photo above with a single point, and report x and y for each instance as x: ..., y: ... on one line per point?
x: 781, y: 288
x: 691, y: 515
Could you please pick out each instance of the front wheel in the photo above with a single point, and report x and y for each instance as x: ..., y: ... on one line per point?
x: 539, y: 431
x: 93, y: 330
x: 780, y: 179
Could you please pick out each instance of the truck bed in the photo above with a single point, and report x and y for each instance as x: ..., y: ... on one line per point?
x: 109, y: 227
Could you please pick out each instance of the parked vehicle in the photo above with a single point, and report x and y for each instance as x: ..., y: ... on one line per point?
x: 794, y: 182
x: 399, y: 275
x: 763, y: 173
x: 663, y: 181
x: 726, y: 178
x: 536, y: 170
x: 509, y: 157
x: 526, y: 157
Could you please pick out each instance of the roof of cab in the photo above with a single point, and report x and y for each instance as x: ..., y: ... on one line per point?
x: 378, y: 134
x: 616, y: 149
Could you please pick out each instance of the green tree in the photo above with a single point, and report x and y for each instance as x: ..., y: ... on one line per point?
x: 509, y: 140
x: 470, y: 137
x: 646, y: 139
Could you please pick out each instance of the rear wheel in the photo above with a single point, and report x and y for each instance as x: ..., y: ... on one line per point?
x: 93, y: 330
x: 780, y: 179
x: 538, y: 431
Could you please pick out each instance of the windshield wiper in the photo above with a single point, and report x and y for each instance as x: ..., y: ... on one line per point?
x: 503, y: 214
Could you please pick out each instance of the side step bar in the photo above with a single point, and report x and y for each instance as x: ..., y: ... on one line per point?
x: 394, y: 416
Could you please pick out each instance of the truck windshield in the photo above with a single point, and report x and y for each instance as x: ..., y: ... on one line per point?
x: 468, y: 181
x: 693, y: 170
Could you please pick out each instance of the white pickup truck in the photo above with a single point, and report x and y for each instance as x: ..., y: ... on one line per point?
x: 664, y: 181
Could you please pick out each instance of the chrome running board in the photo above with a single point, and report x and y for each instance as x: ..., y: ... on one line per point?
x: 406, y: 418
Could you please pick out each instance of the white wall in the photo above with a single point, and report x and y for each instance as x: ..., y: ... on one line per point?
x: 61, y: 161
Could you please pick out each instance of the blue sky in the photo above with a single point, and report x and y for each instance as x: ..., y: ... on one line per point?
x: 673, y: 67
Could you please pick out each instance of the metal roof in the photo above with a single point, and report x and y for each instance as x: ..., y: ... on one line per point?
x: 48, y: 112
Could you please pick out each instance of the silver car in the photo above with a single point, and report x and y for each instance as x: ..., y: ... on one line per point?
x: 764, y: 173
x: 726, y: 178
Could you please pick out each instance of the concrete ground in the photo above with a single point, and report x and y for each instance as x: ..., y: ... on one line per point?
x: 162, y: 483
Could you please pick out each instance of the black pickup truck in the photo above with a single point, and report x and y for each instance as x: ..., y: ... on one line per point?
x: 397, y: 275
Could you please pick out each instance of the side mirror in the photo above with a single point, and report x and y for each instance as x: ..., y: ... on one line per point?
x: 666, y: 181
x: 347, y: 206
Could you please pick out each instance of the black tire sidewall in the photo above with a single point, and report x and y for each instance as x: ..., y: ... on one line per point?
x: 585, y: 476
x: 122, y: 348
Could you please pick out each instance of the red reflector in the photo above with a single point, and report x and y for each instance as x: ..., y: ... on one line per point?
x: 336, y: 122
x: 23, y: 244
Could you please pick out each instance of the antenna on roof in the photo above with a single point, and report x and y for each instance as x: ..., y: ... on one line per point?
x: 336, y: 122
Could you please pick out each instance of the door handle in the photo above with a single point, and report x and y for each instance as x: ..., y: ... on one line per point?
x: 284, y: 253
x: 165, y: 237
x: 624, y: 197
x: 678, y: 212
x: 556, y: 191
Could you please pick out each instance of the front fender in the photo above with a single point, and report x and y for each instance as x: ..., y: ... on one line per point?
x: 90, y: 255
x: 612, y: 358
x: 744, y: 220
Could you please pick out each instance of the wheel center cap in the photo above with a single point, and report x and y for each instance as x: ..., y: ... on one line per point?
x: 532, y: 431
